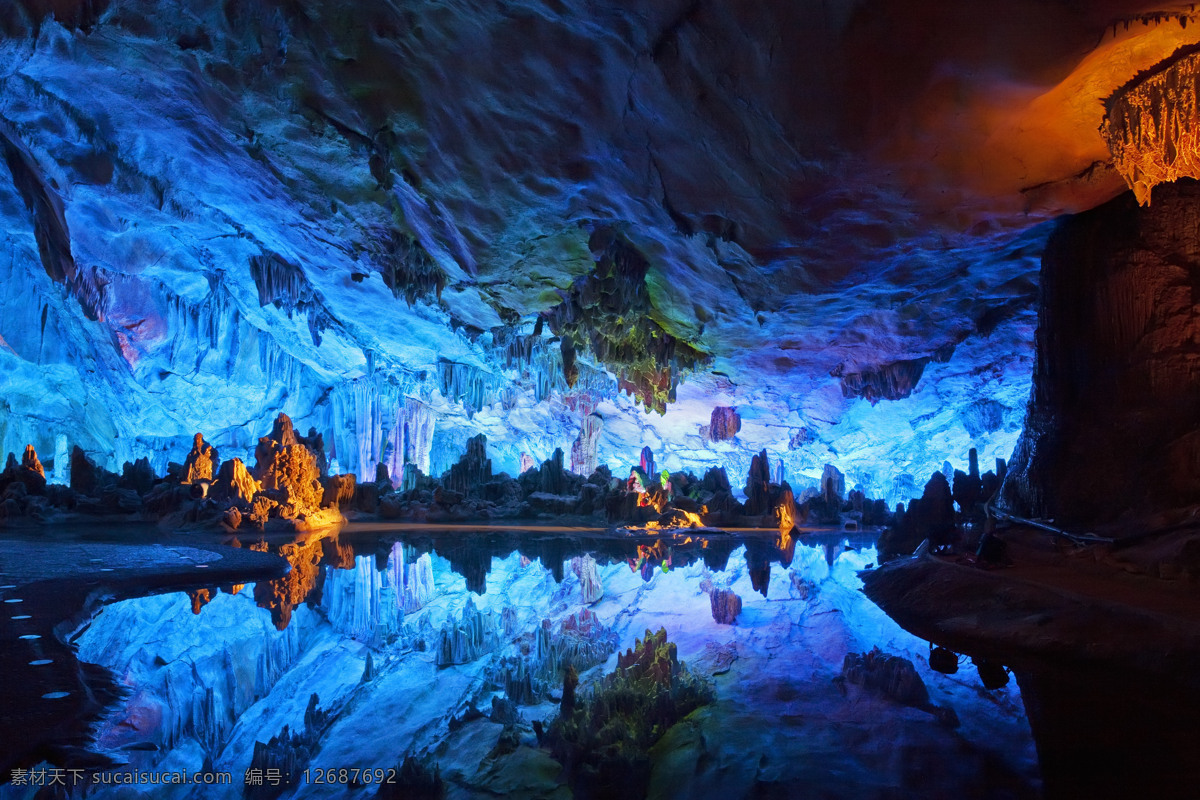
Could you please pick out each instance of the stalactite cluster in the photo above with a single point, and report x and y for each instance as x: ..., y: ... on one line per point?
x: 284, y: 285
x: 1152, y: 124
x: 406, y: 268
x: 374, y: 421
x: 609, y: 312
x: 888, y: 382
x: 475, y: 388
x: 539, y: 362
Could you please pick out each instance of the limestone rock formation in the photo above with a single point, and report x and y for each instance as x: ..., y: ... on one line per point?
x: 287, y: 754
x: 29, y: 461
x: 138, y: 476
x: 473, y: 635
x: 724, y: 424
x: 292, y: 472
x: 758, y: 485
x: 584, y: 458
x: 86, y: 477
x: 725, y: 606
x: 929, y: 517
x: 833, y: 485
x: 201, y: 462
x: 1152, y: 124
x: 28, y: 474
x: 892, y: 676
x: 234, y: 484
x: 1111, y: 426
x: 590, y: 585
x: 338, y: 491
x: 602, y: 738
x: 608, y: 311
x: 473, y: 470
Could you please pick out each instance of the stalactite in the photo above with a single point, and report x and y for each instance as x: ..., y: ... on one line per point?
x: 406, y: 268
x: 284, y: 285
x: 372, y: 420
x: 609, y: 312
x: 475, y: 388
x: 1152, y: 124
x: 893, y: 381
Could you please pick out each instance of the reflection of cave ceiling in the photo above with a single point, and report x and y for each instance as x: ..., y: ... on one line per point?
x: 824, y: 214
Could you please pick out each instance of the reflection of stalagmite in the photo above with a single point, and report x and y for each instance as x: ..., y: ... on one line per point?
x: 412, y: 575
x: 282, y: 595
x: 200, y: 598
x: 785, y: 510
x: 590, y: 586
x: 468, y: 639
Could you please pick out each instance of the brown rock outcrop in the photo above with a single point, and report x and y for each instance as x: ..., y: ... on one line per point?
x: 725, y: 606
x: 29, y: 461
x: 724, y: 424
x: 234, y: 484
x: 292, y: 472
x: 1111, y: 426
x: 201, y: 461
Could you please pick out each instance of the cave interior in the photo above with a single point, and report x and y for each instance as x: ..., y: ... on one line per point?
x: 462, y: 341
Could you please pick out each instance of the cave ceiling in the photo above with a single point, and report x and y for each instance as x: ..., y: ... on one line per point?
x: 828, y: 215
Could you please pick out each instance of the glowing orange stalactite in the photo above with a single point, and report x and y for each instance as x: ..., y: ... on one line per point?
x: 1152, y: 124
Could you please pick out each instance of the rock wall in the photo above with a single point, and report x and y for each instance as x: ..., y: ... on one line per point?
x: 1111, y: 427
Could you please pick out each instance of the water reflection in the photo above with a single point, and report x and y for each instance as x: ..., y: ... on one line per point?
x: 454, y: 650
x: 470, y: 554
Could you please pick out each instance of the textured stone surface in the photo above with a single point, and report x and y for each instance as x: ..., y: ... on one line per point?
x: 1112, y: 422
x: 1151, y: 124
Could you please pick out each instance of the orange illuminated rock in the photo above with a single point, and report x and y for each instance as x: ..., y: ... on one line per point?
x: 293, y: 472
x: 200, y: 598
x: 201, y: 462
x: 282, y: 595
x: 339, y: 491
x: 30, y: 461
x: 1152, y: 124
x: 234, y: 483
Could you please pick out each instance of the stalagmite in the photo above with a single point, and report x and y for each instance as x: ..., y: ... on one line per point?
x: 201, y: 462
x: 234, y: 483
x: 29, y: 461
x: 473, y: 470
